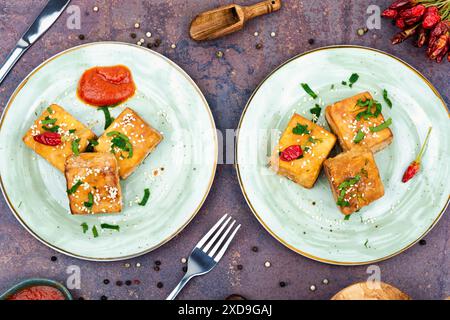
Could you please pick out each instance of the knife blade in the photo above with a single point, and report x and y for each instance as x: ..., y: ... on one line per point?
x: 43, y: 22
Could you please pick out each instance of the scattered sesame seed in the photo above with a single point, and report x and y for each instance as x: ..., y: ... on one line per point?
x: 148, y: 34
x: 183, y: 260
x: 138, y: 265
x: 173, y: 46
x: 325, y: 281
x: 127, y: 265
x: 95, y: 9
x: 312, y: 288
x: 137, y: 25
x: 142, y: 40
x: 267, y: 264
x: 256, y: 34
x: 139, y: 43
x: 273, y: 34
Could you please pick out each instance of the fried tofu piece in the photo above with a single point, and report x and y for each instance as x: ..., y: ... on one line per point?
x: 316, y: 144
x: 131, y: 139
x: 93, y: 183
x: 342, y: 118
x: 55, y: 118
x: 354, y: 179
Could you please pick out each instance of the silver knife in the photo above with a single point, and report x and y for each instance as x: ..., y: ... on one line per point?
x: 43, y: 22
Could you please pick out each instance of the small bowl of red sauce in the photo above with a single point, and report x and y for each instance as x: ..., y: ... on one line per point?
x: 37, y: 289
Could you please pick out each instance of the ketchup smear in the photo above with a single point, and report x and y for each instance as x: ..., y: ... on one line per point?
x: 38, y: 293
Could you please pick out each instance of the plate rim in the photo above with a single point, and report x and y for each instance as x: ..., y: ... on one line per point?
x: 212, y: 175
x: 241, y: 184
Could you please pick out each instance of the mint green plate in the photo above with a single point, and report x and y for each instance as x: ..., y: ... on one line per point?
x: 167, y: 98
x: 308, y: 221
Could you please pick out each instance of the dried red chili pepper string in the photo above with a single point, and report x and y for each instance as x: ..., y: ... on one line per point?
x: 414, y: 167
x: 428, y: 20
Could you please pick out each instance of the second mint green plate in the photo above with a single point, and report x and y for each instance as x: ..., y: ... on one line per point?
x: 179, y: 173
x: 308, y: 221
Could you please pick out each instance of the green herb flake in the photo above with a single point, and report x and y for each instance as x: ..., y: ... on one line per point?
x: 309, y: 91
x: 343, y: 187
x: 366, y: 243
x: 92, y: 143
x: 76, y: 147
x: 300, y: 129
x: 386, y: 98
x: 316, y: 111
x: 71, y: 131
x: 108, y: 118
x: 120, y: 141
x: 74, y: 187
x: 85, y: 227
x: 347, y: 217
x: 110, y: 226
x: 51, y: 129
x: 344, y: 83
x: 48, y: 120
x: 49, y: 110
x: 353, y: 79
x: 359, y: 136
x: 90, y: 201
x: 94, y: 231
x: 145, y: 198
x: 382, y: 126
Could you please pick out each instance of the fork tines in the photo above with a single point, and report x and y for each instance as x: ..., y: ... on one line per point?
x: 221, y: 245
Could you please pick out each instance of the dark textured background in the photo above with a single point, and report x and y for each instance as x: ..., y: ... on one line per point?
x: 422, y: 271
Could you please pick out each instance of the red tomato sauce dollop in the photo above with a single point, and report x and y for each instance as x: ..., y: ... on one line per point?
x: 106, y: 86
x: 38, y: 293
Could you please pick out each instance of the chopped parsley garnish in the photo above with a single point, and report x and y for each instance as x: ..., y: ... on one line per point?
x: 120, y: 141
x: 48, y: 120
x: 347, y: 217
x: 366, y: 243
x: 88, y: 204
x: 51, y: 129
x: 110, y: 226
x: 108, y: 118
x: 386, y: 98
x: 85, y: 227
x: 49, y: 110
x: 316, y: 111
x: 72, y: 130
x: 367, y: 113
x: 309, y: 91
x: 382, y: 126
x: 145, y: 198
x: 74, y: 187
x: 94, y: 231
x: 359, y: 136
x: 343, y: 187
x: 300, y: 129
x: 312, y: 140
x: 353, y: 78
x: 344, y: 83
x: 76, y: 147
x: 92, y: 143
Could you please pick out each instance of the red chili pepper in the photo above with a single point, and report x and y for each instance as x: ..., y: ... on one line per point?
x: 414, y: 167
x: 431, y: 18
x: 390, y: 14
x: 422, y: 37
x: 441, y: 28
x: 439, y: 48
x: 291, y: 153
x: 48, y: 138
x: 405, y: 34
x: 400, y: 4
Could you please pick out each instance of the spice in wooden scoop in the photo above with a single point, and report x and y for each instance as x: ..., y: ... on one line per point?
x: 228, y: 19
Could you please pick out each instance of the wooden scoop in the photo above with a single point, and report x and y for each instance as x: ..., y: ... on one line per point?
x: 228, y: 19
x: 362, y: 291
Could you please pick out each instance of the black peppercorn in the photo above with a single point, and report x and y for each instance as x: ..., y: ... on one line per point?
x: 81, y: 37
x: 157, y: 43
x: 259, y: 46
x: 133, y: 35
x: 157, y: 262
x: 422, y: 242
x: 185, y: 269
x: 106, y: 281
x: 160, y: 285
x: 128, y: 282
x: 53, y: 258
x: 156, y: 268
x: 282, y: 284
x: 255, y: 249
x: 311, y: 41
x: 103, y: 298
x: 119, y: 283
x: 240, y: 267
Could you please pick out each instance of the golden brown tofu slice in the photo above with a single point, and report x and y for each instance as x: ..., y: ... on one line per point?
x: 93, y: 183
x: 315, y: 142
x: 354, y: 179
x: 343, y: 120
x: 131, y: 139
x: 73, y: 134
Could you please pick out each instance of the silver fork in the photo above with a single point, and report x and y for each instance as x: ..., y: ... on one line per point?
x: 203, y: 259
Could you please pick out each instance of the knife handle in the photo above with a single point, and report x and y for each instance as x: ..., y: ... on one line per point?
x: 12, y: 58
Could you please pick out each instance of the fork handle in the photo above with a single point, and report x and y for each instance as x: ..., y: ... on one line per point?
x: 179, y: 287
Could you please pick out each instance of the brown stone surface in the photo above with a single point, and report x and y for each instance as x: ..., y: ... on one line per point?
x: 421, y: 272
